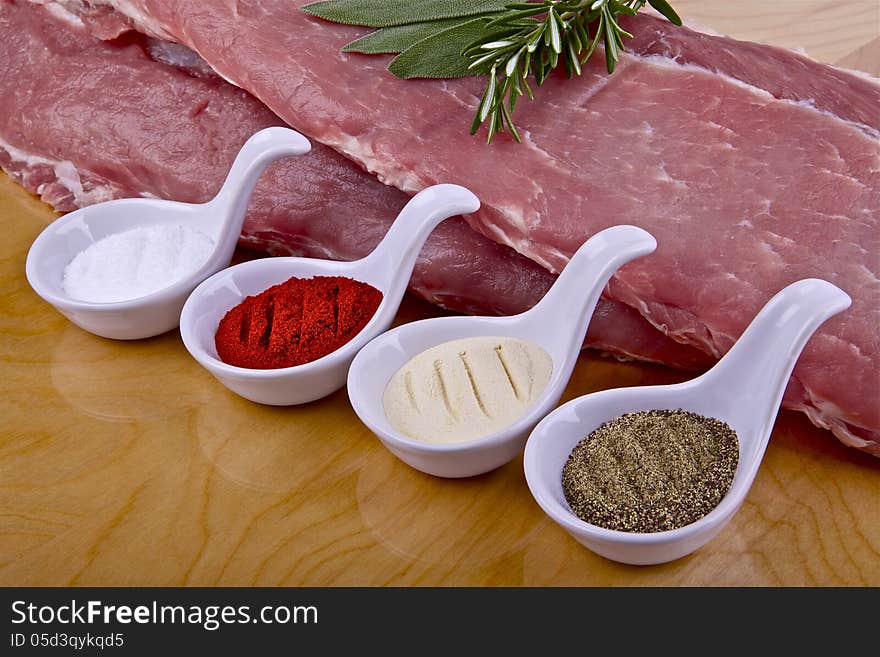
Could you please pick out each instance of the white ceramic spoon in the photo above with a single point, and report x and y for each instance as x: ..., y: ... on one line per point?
x: 558, y: 323
x: 744, y: 389
x: 220, y: 219
x: 387, y: 268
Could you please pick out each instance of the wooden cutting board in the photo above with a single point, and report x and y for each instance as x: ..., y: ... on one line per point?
x: 126, y: 463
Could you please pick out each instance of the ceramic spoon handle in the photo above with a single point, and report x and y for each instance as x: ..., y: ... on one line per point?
x: 263, y: 148
x: 756, y: 370
x: 566, y: 309
x: 411, y: 228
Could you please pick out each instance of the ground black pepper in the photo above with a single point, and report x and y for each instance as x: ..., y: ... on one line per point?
x: 651, y: 471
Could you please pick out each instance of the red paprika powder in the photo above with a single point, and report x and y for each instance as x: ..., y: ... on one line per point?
x: 295, y: 322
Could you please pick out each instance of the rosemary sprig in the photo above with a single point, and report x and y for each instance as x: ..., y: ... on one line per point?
x: 531, y: 38
x: 507, y: 41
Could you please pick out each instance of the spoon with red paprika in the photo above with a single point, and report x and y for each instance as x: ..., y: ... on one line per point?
x: 284, y: 331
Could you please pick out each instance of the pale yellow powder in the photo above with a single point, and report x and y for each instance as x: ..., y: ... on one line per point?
x: 466, y: 389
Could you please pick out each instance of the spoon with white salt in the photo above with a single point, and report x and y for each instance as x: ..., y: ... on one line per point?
x: 123, y: 269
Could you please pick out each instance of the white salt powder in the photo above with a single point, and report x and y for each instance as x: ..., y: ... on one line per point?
x: 135, y: 263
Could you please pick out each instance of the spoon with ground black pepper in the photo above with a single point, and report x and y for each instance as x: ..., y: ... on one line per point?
x: 737, y: 400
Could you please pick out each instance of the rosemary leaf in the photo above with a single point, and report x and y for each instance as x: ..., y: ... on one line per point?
x: 555, y: 36
x: 511, y: 64
x: 668, y: 12
x: 611, y: 54
x: 489, y: 97
x: 509, y: 121
x: 573, y: 58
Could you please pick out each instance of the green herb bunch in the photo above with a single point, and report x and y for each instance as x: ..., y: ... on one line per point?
x: 508, y: 42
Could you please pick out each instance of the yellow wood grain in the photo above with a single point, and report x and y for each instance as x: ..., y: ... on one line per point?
x: 125, y: 463
x: 829, y: 30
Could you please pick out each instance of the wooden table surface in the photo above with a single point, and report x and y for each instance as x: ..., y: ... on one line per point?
x: 126, y: 463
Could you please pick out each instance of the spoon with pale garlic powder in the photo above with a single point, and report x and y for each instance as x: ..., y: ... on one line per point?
x: 457, y: 396
x: 123, y: 269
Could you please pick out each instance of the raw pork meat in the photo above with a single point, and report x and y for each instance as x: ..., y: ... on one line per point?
x: 780, y: 72
x: 752, y: 165
x: 84, y: 121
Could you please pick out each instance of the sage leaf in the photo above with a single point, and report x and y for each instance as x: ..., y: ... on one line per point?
x: 390, y: 13
x: 439, y: 55
x: 398, y: 38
